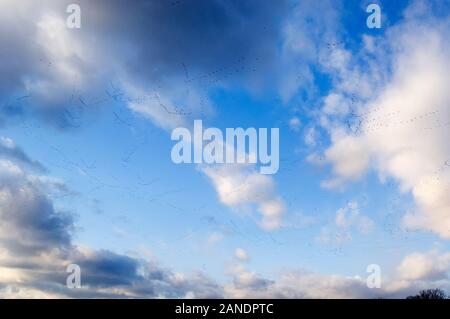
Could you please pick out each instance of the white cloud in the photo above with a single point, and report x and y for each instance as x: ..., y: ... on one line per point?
x: 425, y: 266
x: 335, y: 104
x: 295, y: 284
x: 311, y: 136
x: 350, y: 216
x: 403, y: 117
x: 303, y: 35
x: 7, y: 142
x: 416, y: 271
x: 350, y: 159
x: 240, y: 187
x: 294, y: 124
x: 214, y: 238
x: 156, y: 107
x: 347, y: 220
x: 241, y: 254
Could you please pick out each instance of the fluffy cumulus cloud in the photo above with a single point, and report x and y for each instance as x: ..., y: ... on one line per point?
x: 302, y: 283
x: 298, y: 284
x: 420, y: 270
x: 241, y: 254
x: 423, y: 266
x: 304, y: 32
x: 348, y: 220
x: 350, y: 216
x: 417, y: 271
x: 241, y: 188
x: 395, y: 115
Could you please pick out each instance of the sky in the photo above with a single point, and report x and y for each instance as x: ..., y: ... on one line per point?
x: 87, y: 178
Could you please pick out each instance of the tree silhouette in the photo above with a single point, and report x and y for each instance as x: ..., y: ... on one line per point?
x: 429, y: 294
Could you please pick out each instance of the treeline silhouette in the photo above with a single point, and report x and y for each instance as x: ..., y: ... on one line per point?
x: 430, y: 294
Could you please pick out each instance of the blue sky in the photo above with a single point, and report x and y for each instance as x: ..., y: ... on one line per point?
x: 86, y: 174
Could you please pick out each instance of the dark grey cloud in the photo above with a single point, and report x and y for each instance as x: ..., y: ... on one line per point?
x: 61, y: 74
x: 105, y: 268
x: 206, y: 36
x: 9, y: 150
x: 30, y: 223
